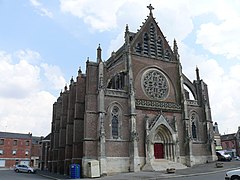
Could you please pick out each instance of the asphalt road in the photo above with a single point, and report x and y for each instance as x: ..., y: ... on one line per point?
x: 213, y: 176
x: 11, y: 175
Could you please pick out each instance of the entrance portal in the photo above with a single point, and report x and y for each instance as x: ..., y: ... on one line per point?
x: 158, y: 151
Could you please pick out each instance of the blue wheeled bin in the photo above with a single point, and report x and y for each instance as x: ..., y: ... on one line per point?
x: 74, y: 171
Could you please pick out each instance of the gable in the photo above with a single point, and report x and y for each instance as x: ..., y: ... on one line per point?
x: 149, y: 41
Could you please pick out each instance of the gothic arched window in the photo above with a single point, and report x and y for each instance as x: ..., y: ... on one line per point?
x: 194, y: 125
x: 117, y: 81
x: 152, y: 41
x: 159, y: 48
x: 194, y: 130
x: 115, y: 115
x: 145, y: 44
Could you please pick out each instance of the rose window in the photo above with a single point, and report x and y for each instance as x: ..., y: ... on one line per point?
x: 155, y: 84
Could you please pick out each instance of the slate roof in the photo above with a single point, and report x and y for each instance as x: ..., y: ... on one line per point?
x: 15, y: 135
x: 36, y: 139
x: 228, y: 137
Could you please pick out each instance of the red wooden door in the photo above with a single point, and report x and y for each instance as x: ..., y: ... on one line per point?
x: 158, y: 151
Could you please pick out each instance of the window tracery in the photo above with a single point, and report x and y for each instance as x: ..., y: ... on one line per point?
x: 115, y: 114
x: 194, y: 125
x: 152, y: 45
x: 117, y: 81
x: 155, y: 84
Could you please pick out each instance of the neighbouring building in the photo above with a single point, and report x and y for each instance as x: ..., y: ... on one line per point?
x: 217, y: 137
x: 228, y: 142
x: 231, y: 143
x: 238, y: 142
x: 15, y: 148
x: 44, y: 158
x: 18, y: 148
x: 134, y: 111
x: 36, y: 151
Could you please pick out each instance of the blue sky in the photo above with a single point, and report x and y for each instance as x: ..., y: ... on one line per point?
x: 43, y: 43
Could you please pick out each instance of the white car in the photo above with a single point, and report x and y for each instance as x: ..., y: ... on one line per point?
x: 233, y: 175
x: 24, y: 168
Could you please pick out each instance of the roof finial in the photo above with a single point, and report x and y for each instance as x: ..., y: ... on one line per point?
x: 79, y: 70
x: 150, y: 8
x: 99, y: 54
x: 127, y: 29
x: 197, y: 73
x: 71, y: 81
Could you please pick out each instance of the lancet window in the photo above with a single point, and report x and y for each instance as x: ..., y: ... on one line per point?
x: 117, y: 81
x: 115, y: 122
x: 152, y: 41
x: 194, y: 125
x: 159, y: 48
x: 167, y: 55
x: 152, y: 45
x: 145, y: 44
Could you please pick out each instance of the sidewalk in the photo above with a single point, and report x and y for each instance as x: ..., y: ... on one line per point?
x: 144, y: 175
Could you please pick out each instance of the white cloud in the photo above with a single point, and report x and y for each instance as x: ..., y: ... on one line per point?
x: 41, y: 9
x: 54, y: 76
x: 221, y: 38
x: 28, y: 55
x: 25, y: 103
x: 30, y: 114
x: 100, y: 15
x: 18, y: 80
x: 235, y: 72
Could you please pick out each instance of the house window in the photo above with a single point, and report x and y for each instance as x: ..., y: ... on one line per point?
x: 227, y: 145
x: 15, y: 142
x: 115, y: 114
x: 1, y: 141
x: 27, y: 143
x: 14, y: 152
x: 1, y: 152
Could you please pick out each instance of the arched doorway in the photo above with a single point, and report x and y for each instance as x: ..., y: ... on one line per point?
x: 163, y: 143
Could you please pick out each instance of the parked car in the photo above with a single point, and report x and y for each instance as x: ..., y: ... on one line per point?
x: 237, y: 158
x: 223, y: 156
x: 24, y: 168
x: 233, y: 175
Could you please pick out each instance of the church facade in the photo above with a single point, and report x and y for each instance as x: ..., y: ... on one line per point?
x: 133, y: 111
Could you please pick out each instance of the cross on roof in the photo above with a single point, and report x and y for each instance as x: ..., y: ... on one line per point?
x: 150, y: 8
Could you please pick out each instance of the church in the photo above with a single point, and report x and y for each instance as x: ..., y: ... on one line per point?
x: 134, y: 111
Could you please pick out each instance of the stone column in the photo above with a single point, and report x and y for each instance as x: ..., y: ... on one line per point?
x: 134, y: 158
x: 101, y: 118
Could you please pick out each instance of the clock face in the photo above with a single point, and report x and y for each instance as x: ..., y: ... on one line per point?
x: 155, y: 84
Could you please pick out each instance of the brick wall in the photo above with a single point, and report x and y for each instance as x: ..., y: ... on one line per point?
x: 15, y: 150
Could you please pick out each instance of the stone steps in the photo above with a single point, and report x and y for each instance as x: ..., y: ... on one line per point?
x: 162, y: 165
